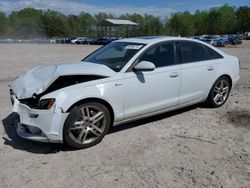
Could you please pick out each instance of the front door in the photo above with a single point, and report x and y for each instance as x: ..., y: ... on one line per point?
x: 152, y: 91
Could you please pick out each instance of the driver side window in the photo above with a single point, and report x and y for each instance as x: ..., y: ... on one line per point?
x: 161, y: 55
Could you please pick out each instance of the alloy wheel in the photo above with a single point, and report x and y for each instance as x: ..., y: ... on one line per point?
x: 221, y: 92
x: 90, y: 126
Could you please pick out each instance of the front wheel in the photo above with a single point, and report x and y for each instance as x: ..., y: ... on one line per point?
x: 219, y: 92
x: 86, y: 125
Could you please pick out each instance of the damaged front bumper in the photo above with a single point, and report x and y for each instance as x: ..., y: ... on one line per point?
x: 39, y: 125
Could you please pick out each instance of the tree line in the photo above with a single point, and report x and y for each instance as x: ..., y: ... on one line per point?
x: 30, y: 23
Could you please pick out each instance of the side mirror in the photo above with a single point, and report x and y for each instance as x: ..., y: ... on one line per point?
x: 144, y: 66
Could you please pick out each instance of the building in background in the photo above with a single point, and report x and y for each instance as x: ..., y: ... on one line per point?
x: 117, y: 28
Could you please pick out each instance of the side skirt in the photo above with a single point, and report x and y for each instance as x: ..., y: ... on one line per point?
x: 158, y: 112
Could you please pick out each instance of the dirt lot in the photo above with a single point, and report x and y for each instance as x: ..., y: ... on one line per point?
x: 192, y: 147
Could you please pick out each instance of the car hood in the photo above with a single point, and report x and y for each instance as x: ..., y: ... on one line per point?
x: 37, y: 80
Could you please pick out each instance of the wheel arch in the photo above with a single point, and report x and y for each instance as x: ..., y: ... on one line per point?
x: 211, y: 86
x: 93, y: 99
x: 227, y: 76
x: 223, y: 75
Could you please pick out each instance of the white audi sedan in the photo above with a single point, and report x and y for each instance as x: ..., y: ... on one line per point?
x: 125, y: 80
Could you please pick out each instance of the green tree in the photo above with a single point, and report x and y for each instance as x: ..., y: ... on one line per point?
x: 152, y: 25
x: 182, y: 24
x: 213, y: 23
x: 201, y: 22
x: 26, y: 23
x: 55, y: 24
x: 243, y: 19
x: 87, y: 24
x: 3, y: 24
x: 30, y: 23
x: 74, y: 25
x: 226, y: 20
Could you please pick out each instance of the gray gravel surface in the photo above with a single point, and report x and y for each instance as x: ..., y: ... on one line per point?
x: 191, y: 147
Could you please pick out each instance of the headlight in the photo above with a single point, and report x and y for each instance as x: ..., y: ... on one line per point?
x: 46, y: 104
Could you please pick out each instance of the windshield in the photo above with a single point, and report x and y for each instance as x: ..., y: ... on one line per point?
x: 114, y: 55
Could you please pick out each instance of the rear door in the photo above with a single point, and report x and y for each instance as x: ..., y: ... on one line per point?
x: 197, y: 70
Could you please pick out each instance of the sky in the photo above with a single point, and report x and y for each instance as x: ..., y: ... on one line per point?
x: 160, y: 8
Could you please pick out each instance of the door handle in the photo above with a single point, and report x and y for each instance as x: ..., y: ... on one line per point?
x: 118, y: 84
x: 210, y: 68
x: 174, y: 74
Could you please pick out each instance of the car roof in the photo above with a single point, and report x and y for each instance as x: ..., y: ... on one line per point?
x: 152, y: 39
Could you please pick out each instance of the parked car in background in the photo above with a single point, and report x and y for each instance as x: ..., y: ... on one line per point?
x: 7, y: 40
x: 208, y: 39
x: 79, y: 40
x: 204, y: 37
x: 247, y: 36
x: 66, y: 40
x: 83, y: 40
x: 125, y: 80
x: 52, y: 41
x: 221, y: 41
x: 100, y: 40
x: 114, y: 38
x: 234, y: 39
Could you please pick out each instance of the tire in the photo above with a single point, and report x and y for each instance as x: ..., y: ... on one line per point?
x: 219, y: 92
x: 86, y: 125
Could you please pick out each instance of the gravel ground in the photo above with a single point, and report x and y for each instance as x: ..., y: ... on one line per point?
x: 191, y: 147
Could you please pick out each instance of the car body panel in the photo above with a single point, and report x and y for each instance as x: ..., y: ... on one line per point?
x: 40, y: 78
x: 41, y: 119
x: 131, y: 95
x: 196, y: 79
x: 107, y: 89
x: 158, y: 88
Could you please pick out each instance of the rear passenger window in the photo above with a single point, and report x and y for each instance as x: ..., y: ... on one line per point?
x: 193, y: 52
x: 213, y: 54
x: 161, y: 55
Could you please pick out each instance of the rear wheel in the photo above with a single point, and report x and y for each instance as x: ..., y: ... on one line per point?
x: 86, y: 125
x: 219, y: 92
